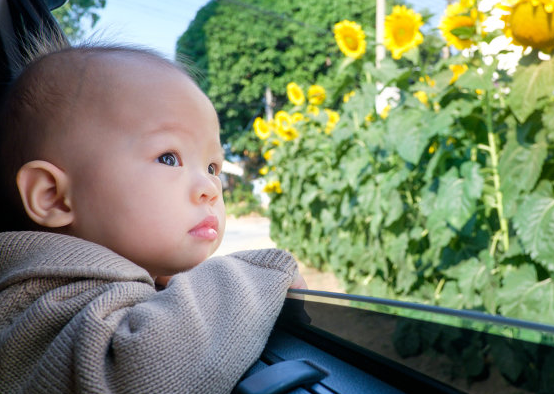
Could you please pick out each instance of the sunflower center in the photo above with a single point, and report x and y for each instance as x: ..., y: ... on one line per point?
x: 403, y: 33
x: 532, y: 25
x: 351, y: 41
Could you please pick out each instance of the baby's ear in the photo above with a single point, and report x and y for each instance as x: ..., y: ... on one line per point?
x: 44, y: 193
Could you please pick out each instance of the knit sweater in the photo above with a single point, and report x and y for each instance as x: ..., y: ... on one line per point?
x: 77, y: 318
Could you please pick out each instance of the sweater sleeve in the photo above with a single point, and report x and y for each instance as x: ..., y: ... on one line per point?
x: 199, y: 335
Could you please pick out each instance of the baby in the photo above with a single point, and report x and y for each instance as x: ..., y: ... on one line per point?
x: 110, y: 159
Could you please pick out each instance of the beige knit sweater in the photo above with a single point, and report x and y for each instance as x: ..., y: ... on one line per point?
x: 77, y: 318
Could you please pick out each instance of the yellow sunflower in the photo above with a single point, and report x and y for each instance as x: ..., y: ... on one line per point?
x: 529, y: 23
x: 264, y: 170
x: 457, y: 70
x: 288, y: 134
x: 283, y: 120
x: 269, y: 154
x: 385, y: 112
x: 262, y: 128
x: 347, y: 96
x: 297, y: 117
x: 273, y: 187
x: 461, y: 15
x: 350, y: 38
x: 422, y: 97
x: 427, y: 79
x: 295, y: 94
x: 316, y: 94
x: 402, y: 30
x: 313, y: 109
x: 333, y: 118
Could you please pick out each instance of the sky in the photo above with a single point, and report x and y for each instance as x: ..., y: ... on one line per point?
x: 159, y: 23
x: 155, y: 24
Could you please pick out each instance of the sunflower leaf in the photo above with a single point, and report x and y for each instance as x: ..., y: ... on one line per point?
x: 519, y: 169
x: 463, y: 32
x: 531, y: 84
x: 534, y: 223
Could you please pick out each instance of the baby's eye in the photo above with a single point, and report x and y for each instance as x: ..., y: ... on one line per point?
x: 212, y: 169
x: 169, y: 159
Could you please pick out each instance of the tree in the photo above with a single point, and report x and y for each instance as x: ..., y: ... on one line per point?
x: 72, y: 14
x: 240, y: 47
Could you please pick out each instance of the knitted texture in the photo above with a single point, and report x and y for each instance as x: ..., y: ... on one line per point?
x: 77, y: 318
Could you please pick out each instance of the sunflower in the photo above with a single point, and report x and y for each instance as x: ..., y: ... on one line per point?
x: 295, y: 94
x: 402, y: 30
x: 457, y: 69
x: 313, y: 110
x: 297, y: 117
x: 269, y: 154
x: 261, y: 128
x: 427, y: 79
x: 347, y: 96
x: 283, y: 120
x: 422, y: 97
x: 316, y: 94
x: 273, y: 187
x: 264, y: 170
x: 385, y: 112
x: 350, y: 38
x: 529, y: 23
x: 333, y: 118
x: 288, y: 134
x: 462, y: 15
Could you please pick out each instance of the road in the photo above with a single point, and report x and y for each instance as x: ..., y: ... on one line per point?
x: 253, y: 233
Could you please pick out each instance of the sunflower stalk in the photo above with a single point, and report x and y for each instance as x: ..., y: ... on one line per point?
x: 493, y: 152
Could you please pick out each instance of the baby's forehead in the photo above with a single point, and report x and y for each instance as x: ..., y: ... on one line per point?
x: 77, y: 86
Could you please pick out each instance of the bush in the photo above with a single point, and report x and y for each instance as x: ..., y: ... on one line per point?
x: 240, y: 200
x: 445, y: 195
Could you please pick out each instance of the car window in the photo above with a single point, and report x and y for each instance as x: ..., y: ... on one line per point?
x: 419, y: 170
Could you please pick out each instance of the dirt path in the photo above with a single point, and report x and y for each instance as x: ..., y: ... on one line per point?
x: 253, y: 233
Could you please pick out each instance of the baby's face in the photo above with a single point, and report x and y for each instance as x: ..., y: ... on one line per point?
x: 144, y: 168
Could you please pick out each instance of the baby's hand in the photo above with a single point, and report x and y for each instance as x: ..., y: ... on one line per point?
x: 298, y: 282
x: 161, y: 281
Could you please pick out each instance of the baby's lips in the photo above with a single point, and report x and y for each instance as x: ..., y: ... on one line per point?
x: 206, y: 229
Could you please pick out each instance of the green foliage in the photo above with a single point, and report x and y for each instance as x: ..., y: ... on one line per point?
x: 72, y: 14
x: 449, y: 200
x: 240, y: 200
x: 241, y: 47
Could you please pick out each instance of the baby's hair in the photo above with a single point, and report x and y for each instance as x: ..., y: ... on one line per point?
x: 37, y: 106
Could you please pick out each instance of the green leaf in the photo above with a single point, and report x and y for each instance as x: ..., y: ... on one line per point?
x: 519, y: 168
x: 412, y: 55
x: 530, y: 84
x: 534, y: 223
x: 406, y: 135
x: 456, y: 197
x: 384, y: 74
x: 450, y: 296
x: 393, y: 206
x: 464, y: 32
x: 474, y: 79
x: 521, y: 296
x: 470, y: 274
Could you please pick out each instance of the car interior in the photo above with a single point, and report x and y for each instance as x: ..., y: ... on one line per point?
x: 345, y: 344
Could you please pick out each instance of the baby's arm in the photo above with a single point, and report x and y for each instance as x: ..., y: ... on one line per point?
x: 201, y: 333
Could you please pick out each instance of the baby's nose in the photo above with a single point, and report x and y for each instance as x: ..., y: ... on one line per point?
x: 205, y: 190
